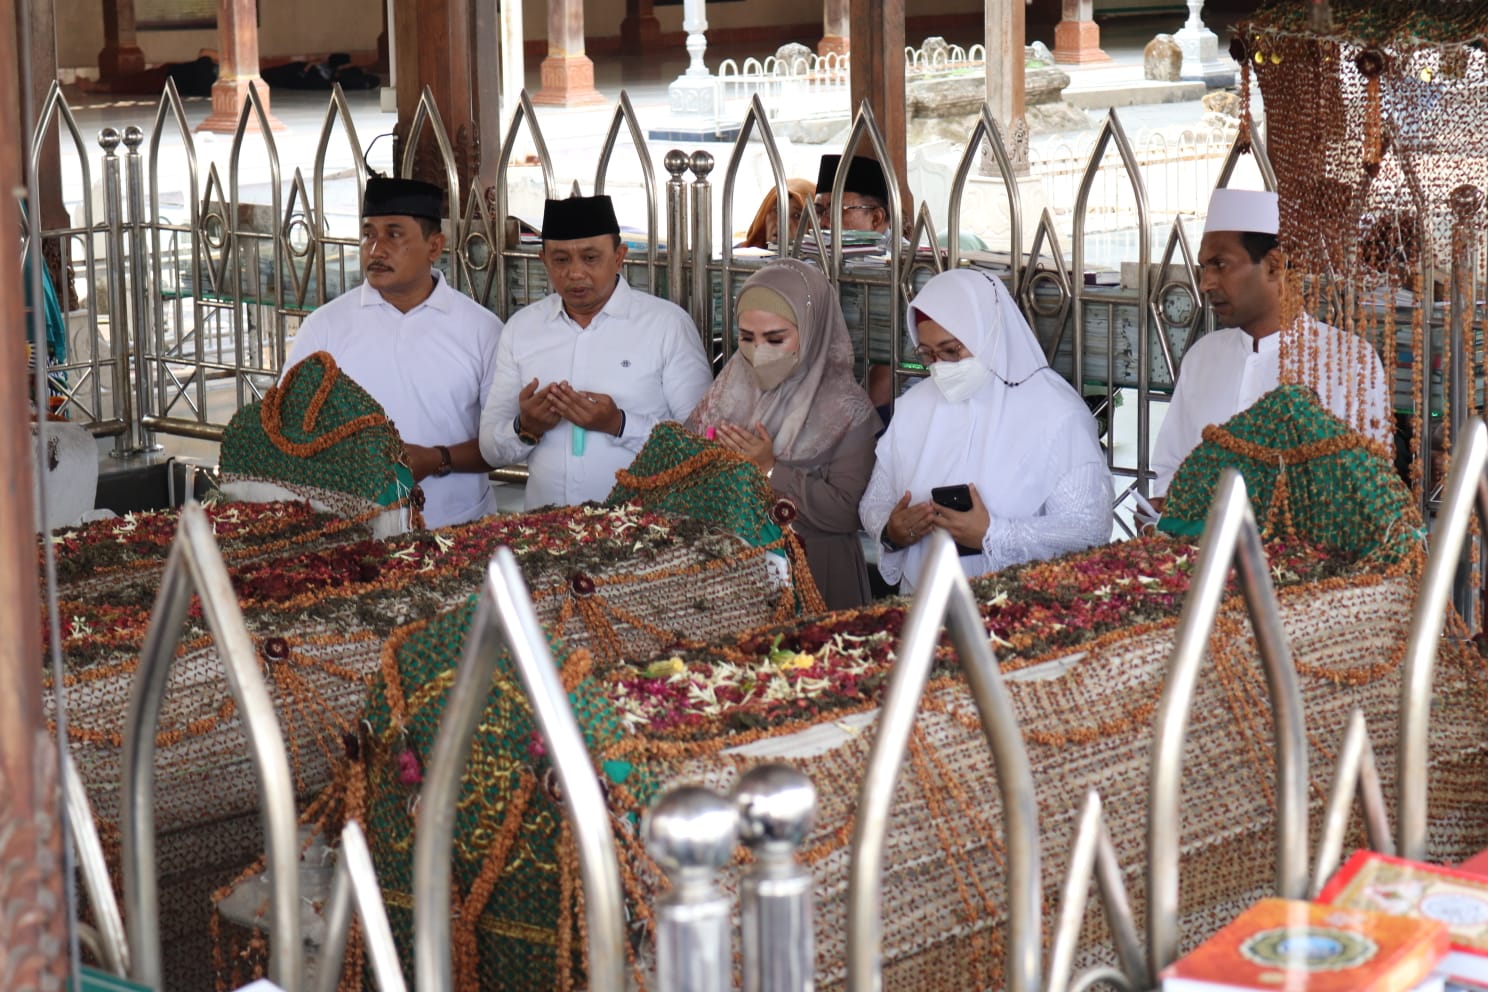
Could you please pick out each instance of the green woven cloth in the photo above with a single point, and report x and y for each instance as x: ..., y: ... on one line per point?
x: 1406, y: 23
x: 682, y: 474
x: 367, y: 464
x: 516, y: 933
x: 1340, y: 489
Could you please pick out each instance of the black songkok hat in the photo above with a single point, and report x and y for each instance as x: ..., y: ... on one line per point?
x: 864, y: 177
x: 406, y: 197
x: 579, y: 217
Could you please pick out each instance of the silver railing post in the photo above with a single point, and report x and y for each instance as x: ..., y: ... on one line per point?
x: 676, y: 164
x: 355, y: 889
x: 1467, y: 204
x: 691, y: 832
x: 127, y: 441
x: 139, y: 306
x: 702, y: 247
x: 777, y: 805
x: 195, y: 565
x: 504, y: 616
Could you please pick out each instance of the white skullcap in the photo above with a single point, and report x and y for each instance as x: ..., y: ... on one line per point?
x: 1243, y: 210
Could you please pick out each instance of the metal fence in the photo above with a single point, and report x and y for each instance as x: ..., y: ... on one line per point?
x: 692, y: 832
x: 198, y: 280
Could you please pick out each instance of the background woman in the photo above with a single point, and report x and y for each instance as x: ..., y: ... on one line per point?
x: 992, y: 417
x: 764, y: 230
x: 788, y: 402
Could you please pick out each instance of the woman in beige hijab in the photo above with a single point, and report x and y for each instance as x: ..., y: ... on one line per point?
x: 787, y: 401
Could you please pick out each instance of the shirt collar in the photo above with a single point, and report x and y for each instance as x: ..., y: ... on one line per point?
x: 440, y: 299
x: 618, y: 306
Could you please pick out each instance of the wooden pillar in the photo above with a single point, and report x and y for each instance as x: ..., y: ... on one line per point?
x: 237, y: 68
x: 836, y: 28
x: 33, y: 953
x: 434, y: 48
x: 1077, y: 36
x: 1004, y: 38
x: 640, y: 31
x: 121, y: 54
x: 41, y: 42
x: 877, y: 28
x: 567, y: 73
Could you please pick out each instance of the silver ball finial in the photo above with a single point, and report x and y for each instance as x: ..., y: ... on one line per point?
x: 690, y: 831
x: 133, y: 136
x: 676, y: 162
x: 702, y: 164
x: 777, y: 805
x: 108, y: 139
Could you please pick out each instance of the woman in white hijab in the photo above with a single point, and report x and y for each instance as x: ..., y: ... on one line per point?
x: 994, y: 417
x: 787, y: 400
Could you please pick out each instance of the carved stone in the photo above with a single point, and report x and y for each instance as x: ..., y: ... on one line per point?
x: 1162, y: 59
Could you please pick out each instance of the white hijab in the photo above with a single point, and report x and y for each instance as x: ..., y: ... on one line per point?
x: 1015, y: 438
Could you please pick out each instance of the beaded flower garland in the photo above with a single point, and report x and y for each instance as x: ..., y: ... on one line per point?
x: 323, y: 437
x: 695, y: 702
x: 1309, y: 477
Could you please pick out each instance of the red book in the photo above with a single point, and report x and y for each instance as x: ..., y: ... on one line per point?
x: 1456, y: 898
x: 1287, y: 945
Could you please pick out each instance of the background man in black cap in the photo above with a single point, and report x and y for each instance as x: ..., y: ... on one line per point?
x: 583, y: 374
x: 865, y: 194
x: 425, y: 352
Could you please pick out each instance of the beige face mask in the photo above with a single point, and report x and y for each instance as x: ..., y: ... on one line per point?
x: 770, y: 364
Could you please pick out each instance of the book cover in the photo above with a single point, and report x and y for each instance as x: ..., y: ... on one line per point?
x: 1288, y: 945
x: 1456, y: 898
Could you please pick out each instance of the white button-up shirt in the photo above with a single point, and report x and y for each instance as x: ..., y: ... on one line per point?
x: 1225, y: 372
x: 429, y: 369
x: 642, y: 351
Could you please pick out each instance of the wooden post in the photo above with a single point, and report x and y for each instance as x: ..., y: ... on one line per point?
x: 640, y: 31
x: 434, y: 47
x: 237, y: 68
x: 33, y: 953
x: 121, y: 54
x: 567, y: 73
x: 1004, y: 37
x: 877, y: 27
x: 1077, y: 36
x: 836, y: 28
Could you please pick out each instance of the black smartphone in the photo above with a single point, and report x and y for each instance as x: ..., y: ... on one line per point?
x: 952, y: 497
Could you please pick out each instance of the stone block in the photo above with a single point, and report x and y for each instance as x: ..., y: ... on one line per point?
x: 1162, y: 60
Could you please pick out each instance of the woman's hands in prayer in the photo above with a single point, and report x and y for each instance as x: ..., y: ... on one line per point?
x: 910, y: 524
x: 966, y: 527
x: 591, y: 411
x: 757, y: 445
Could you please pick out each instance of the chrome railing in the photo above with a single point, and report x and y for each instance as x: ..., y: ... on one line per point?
x: 195, y: 566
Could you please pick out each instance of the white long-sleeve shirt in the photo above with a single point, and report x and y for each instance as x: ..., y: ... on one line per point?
x: 1224, y: 373
x: 429, y: 369
x: 642, y: 351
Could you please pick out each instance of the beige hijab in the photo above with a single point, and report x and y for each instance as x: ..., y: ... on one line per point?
x: 811, y: 410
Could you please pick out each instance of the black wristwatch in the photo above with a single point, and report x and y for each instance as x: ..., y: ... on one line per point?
x: 526, y: 437
x: 446, y: 466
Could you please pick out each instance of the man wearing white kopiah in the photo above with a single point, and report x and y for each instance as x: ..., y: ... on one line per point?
x: 583, y: 374
x: 1241, y: 272
x: 994, y: 448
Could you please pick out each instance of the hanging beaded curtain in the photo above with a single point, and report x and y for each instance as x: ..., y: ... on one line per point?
x: 1377, y: 128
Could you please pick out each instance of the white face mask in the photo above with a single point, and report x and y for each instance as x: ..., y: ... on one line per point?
x: 959, y: 381
x: 770, y: 364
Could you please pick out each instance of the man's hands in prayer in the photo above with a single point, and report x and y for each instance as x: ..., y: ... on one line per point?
x: 910, y: 524
x: 757, y: 445
x: 966, y: 527
x: 538, y: 412
x: 591, y: 411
